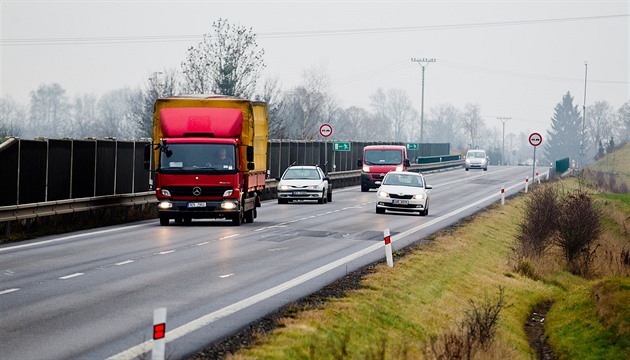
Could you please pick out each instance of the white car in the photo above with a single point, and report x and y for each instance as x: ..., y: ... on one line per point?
x: 403, y: 191
x: 304, y: 182
x: 476, y: 159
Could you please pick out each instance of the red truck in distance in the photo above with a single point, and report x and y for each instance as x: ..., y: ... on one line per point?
x: 378, y: 160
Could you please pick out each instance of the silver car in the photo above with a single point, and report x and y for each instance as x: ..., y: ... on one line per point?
x: 476, y: 159
x: 403, y: 191
x: 305, y: 182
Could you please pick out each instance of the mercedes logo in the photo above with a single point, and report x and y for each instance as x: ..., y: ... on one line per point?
x: 196, y: 191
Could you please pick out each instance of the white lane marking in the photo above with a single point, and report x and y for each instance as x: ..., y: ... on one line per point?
x: 9, y: 273
x: 71, y: 276
x: 69, y: 238
x: 277, y: 249
x: 124, y: 262
x: 203, y: 243
x: 226, y: 276
x: 228, y: 236
x: 166, y: 252
x: 8, y: 291
x: 138, y: 350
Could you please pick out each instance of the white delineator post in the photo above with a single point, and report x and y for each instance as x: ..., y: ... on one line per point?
x: 159, y: 334
x: 388, y: 248
x: 537, y: 177
x: 526, y: 184
x: 502, y: 195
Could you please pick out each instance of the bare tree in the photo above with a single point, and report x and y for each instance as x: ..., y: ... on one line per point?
x: 115, y: 114
x: 310, y: 104
x: 227, y: 62
x: 600, y: 122
x: 403, y: 116
x: 355, y: 123
x: 623, y: 121
x: 443, y: 125
x: 12, y: 115
x: 49, y: 112
x: 158, y: 85
x: 278, y: 121
x: 383, y: 123
x: 83, y: 116
x: 473, y: 123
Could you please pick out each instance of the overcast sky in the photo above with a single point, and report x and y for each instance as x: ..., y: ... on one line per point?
x: 512, y: 58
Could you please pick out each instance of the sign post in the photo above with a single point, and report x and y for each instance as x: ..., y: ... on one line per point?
x: 535, y: 139
x: 326, y: 130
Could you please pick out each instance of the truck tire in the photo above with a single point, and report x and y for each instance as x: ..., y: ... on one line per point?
x: 164, y: 220
x: 237, y: 220
x: 250, y: 215
x: 329, y: 195
x: 364, y: 188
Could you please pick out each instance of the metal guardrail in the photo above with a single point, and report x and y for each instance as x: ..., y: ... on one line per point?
x: 50, y: 208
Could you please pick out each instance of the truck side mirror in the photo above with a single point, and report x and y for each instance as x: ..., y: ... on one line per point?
x: 147, y: 156
x: 250, y: 154
x: 359, y: 162
x: 407, y: 163
x: 250, y: 166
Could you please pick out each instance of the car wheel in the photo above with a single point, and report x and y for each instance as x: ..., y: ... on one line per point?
x: 425, y: 212
x: 164, y: 220
x: 329, y: 195
x: 379, y: 210
x: 283, y: 201
x: 485, y: 169
x: 467, y: 169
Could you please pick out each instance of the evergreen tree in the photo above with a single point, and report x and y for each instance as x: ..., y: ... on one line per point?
x: 566, y: 132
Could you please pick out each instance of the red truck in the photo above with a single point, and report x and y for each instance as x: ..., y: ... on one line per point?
x: 210, y: 157
x: 378, y: 160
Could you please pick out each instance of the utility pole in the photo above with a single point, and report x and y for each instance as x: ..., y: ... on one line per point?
x: 582, y: 145
x: 503, y: 119
x: 424, y: 62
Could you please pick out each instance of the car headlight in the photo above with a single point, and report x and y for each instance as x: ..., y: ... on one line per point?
x: 285, y: 187
x: 399, y: 168
x: 467, y: 161
x: 419, y: 196
x: 315, y: 187
x: 166, y: 192
x: 383, y: 194
x: 165, y: 205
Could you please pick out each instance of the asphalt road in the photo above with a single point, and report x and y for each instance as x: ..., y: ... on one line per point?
x: 92, y: 294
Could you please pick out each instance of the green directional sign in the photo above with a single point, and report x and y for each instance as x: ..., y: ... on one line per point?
x: 412, y: 147
x: 341, y: 146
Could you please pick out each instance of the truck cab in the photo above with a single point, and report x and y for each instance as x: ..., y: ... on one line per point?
x: 378, y: 160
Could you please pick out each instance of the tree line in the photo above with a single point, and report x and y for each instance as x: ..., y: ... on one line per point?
x: 229, y: 61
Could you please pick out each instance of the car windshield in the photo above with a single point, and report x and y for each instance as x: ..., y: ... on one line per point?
x: 383, y: 157
x: 476, y: 155
x: 197, y: 158
x: 301, y: 174
x: 403, y: 180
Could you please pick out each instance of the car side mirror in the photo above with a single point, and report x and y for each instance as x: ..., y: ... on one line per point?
x: 428, y: 187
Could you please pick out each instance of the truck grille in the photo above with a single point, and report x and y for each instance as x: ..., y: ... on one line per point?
x: 205, y: 190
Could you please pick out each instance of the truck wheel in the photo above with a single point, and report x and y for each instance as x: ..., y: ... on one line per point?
x: 249, y: 216
x: 329, y: 195
x: 237, y: 220
x: 164, y: 220
x: 364, y: 188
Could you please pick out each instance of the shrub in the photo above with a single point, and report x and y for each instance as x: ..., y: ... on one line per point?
x: 539, y: 221
x: 579, y: 225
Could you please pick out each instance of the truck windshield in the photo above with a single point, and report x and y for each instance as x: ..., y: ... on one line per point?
x: 383, y: 157
x: 198, y: 158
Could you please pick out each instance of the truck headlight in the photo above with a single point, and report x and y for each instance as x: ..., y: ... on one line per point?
x: 366, y: 169
x: 228, y: 193
x: 165, y: 204
x: 228, y: 205
x: 165, y: 192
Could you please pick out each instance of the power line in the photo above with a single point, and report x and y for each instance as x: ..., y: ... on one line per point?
x: 288, y: 34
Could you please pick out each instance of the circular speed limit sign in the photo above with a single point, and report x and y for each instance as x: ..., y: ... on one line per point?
x: 535, y: 139
x: 325, y: 130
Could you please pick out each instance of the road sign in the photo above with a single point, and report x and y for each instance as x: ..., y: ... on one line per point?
x: 325, y: 130
x: 341, y: 146
x: 413, y: 146
x: 535, y: 139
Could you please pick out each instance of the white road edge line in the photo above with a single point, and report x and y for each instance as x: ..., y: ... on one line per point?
x: 8, y: 291
x: 205, y: 320
x: 71, y: 276
x: 68, y: 238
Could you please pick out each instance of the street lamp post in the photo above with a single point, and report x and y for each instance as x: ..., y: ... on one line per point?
x: 424, y: 62
x: 503, y: 119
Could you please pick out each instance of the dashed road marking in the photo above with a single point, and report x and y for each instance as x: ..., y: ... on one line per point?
x: 71, y: 276
x: 8, y: 291
x: 226, y: 276
x: 124, y: 262
x: 166, y: 252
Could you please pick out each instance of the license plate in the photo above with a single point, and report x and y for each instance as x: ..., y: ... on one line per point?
x: 400, y: 202
x: 299, y: 193
x: 196, y: 204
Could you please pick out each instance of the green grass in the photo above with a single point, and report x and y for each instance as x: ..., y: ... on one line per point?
x: 398, y: 310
